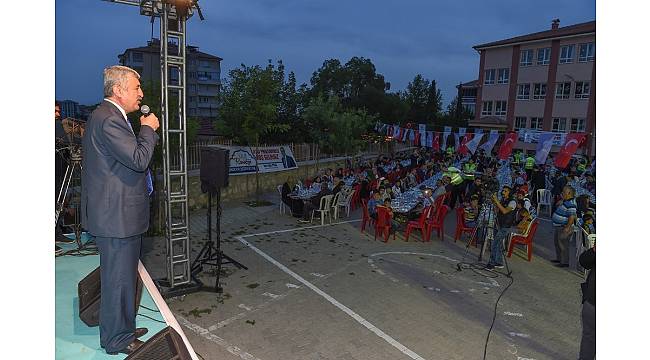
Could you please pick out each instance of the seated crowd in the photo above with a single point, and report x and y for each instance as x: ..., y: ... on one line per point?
x: 379, y: 181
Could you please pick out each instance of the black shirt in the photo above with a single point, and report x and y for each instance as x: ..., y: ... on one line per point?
x: 588, y: 261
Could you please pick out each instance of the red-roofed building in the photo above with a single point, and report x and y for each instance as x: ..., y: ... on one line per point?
x: 541, y: 81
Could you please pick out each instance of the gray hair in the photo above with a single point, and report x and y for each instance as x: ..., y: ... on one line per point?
x: 117, y: 75
x: 571, y: 190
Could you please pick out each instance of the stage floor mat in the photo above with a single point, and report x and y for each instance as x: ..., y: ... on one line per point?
x: 75, y: 340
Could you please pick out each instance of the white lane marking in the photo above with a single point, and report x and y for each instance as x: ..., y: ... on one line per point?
x: 410, y: 353
x: 526, y: 336
x: 513, y: 314
x: 292, y: 286
x: 215, y: 339
x: 272, y: 296
x: 242, y: 306
x: 296, y: 229
x: 239, y: 316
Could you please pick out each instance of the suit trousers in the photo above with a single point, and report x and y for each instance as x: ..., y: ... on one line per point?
x: 561, y: 245
x: 588, y: 341
x: 118, y: 258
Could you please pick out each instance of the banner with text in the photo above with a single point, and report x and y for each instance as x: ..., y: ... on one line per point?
x: 246, y: 159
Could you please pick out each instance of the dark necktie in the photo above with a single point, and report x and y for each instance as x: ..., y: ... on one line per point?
x: 149, y: 179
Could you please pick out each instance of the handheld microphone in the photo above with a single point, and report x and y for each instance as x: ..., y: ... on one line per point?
x: 144, y: 109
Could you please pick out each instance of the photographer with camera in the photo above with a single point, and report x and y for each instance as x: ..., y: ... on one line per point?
x: 505, y: 218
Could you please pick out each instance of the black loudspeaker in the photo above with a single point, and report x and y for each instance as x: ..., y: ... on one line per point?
x: 89, y: 292
x: 215, y: 168
x: 165, y: 345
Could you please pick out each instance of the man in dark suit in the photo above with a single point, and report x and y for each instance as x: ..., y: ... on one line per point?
x: 287, y: 161
x: 115, y: 202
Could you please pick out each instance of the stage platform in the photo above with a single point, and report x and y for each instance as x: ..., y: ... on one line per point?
x: 75, y: 340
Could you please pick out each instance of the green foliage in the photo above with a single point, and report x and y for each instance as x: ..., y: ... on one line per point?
x: 250, y: 101
x: 424, y: 100
x: 334, y: 129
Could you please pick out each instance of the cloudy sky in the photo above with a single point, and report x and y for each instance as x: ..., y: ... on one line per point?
x: 402, y: 38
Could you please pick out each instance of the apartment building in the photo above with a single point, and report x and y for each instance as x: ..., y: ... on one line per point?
x: 544, y: 81
x: 203, y: 75
x: 467, y: 95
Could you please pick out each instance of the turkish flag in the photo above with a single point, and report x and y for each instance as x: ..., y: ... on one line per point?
x: 506, y: 146
x: 416, y: 142
x: 463, y: 150
x: 571, y: 144
x: 436, y: 142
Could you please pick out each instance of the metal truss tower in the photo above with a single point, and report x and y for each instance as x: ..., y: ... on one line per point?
x: 173, y: 15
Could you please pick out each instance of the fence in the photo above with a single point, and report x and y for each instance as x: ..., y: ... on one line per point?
x: 301, y: 152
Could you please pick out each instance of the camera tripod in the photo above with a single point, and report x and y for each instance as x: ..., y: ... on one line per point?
x: 486, y: 225
x: 71, y: 181
x: 209, y: 253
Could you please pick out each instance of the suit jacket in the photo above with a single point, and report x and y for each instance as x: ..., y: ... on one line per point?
x: 114, y: 199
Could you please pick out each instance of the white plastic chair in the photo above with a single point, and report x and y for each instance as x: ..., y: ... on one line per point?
x: 282, y: 205
x: 344, y: 202
x: 323, y: 209
x: 335, y: 201
x: 544, y: 198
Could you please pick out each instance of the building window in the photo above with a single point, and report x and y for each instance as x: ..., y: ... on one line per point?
x: 504, y: 76
x: 191, y: 88
x: 536, y: 123
x: 523, y: 92
x: 559, y: 125
x: 539, y: 91
x: 563, y: 90
x: 489, y: 77
x: 543, y: 56
x: 204, y: 99
x: 582, y: 90
x: 469, y: 108
x: 587, y: 52
x: 204, y: 63
x: 487, y: 108
x: 136, y: 57
x: 520, y: 122
x: 577, y: 125
x: 501, y: 108
x: 566, y: 54
x: 526, y: 58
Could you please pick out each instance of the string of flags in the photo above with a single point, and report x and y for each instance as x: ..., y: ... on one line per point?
x: 465, y: 143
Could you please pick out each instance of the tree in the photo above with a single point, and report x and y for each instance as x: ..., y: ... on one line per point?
x: 416, y: 97
x: 433, y: 107
x: 249, y: 107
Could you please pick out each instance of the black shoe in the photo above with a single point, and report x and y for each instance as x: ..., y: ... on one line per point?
x: 555, y: 261
x: 562, y: 265
x: 129, y: 348
x: 58, y: 250
x: 140, y: 332
x: 494, y: 266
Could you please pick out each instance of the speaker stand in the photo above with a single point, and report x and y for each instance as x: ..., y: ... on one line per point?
x: 209, y: 253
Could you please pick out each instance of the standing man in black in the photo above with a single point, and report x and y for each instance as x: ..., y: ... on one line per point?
x: 115, y: 201
x: 588, y: 341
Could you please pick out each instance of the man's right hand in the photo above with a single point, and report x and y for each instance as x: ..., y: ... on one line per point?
x: 150, y: 120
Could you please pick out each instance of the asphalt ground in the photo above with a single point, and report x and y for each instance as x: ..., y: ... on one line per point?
x: 332, y: 292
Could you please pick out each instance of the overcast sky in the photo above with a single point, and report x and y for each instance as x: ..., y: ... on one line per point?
x: 402, y: 38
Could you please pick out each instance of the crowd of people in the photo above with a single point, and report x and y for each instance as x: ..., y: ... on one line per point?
x: 465, y: 181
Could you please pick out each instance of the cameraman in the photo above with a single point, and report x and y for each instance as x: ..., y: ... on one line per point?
x: 505, y: 218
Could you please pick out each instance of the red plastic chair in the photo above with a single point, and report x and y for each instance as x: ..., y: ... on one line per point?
x: 355, y: 197
x: 524, y: 240
x: 382, y: 226
x: 366, y: 215
x: 460, y: 224
x: 437, y: 222
x: 437, y: 203
x: 418, y: 224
